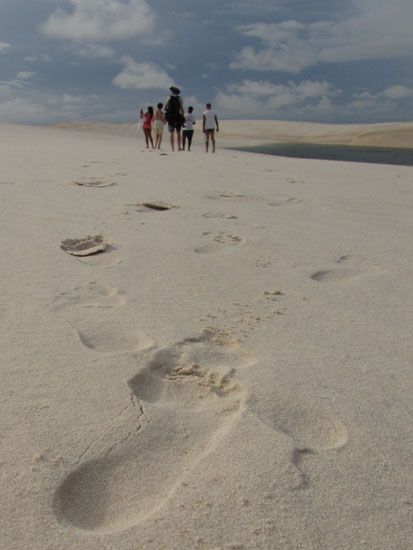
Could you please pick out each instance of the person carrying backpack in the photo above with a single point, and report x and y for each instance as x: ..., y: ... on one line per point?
x: 175, y: 117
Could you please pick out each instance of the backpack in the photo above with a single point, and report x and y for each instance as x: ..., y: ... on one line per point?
x: 173, y: 110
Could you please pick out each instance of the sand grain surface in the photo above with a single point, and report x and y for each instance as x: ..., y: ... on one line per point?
x: 230, y: 372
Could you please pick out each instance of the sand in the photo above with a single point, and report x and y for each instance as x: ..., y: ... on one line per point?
x: 231, y: 371
x: 261, y: 132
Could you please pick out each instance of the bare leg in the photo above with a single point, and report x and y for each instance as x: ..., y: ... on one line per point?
x: 178, y: 137
x: 160, y: 141
x: 206, y: 142
x: 172, y: 141
x: 145, y: 131
x: 213, y: 141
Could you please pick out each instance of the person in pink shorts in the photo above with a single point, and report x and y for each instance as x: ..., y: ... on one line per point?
x: 146, y: 120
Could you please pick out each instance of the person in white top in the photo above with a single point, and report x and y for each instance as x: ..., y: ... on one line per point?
x: 188, y: 129
x: 209, y: 123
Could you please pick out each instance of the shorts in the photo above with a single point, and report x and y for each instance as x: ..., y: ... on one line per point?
x: 175, y: 125
x: 157, y: 127
x: 209, y: 131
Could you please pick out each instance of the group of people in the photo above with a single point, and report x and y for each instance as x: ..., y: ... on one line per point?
x: 180, y: 123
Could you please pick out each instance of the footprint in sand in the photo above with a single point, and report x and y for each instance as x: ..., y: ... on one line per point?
x: 91, y: 250
x: 84, y: 246
x: 311, y: 429
x: 152, y: 206
x: 347, y: 268
x: 217, y: 240
x: 97, y: 183
x: 110, y: 334
x: 186, y: 400
x: 157, y: 205
x: 219, y: 215
x: 287, y: 202
x: 108, y: 258
x: 89, y: 296
x: 108, y: 330
x: 226, y: 195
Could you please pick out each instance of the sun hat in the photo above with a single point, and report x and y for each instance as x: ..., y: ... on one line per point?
x: 175, y: 90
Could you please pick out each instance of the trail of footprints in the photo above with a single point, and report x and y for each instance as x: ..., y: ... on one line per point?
x: 186, y: 399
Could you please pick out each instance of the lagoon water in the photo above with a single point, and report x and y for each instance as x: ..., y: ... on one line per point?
x: 350, y: 153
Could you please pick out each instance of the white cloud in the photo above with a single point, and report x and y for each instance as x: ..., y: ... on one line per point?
x: 25, y: 75
x: 34, y: 58
x: 10, y: 84
x: 4, y: 47
x: 21, y: 111
x: 35, y: 108
x: 398, y: 92
x: 141, y: 76
x: 383, y: 101
x: 99, y: 21
x: 263, y: 98
x: 378, y: 30
x: 312, y: 100
x: 21, y: 81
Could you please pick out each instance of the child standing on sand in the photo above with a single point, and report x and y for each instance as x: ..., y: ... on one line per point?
x: 158, y: 125
x: 188, y: 130
x: 146, y: 119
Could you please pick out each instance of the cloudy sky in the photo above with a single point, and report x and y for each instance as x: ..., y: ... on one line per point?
x: 315, y: 60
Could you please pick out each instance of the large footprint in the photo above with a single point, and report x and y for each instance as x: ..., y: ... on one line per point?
x: 91, y: 295
x: 346, y: 268
x: 309, y: 427
x: 93, y: 312
x: 311, y: 430
x: 187, y: 402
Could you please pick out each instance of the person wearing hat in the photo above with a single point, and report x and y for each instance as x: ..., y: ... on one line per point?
x: 175, y: 116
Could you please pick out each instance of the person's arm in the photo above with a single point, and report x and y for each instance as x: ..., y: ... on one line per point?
x: 203, y: 123
x: 142, y: 113
x: 216, y: 122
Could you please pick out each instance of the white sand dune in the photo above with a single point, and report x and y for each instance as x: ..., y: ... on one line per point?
x: 231, y: 371
x: 257, y: 132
